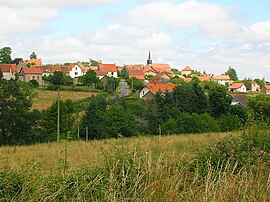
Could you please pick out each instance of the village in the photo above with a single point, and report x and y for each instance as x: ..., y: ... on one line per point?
x: 155, y: 76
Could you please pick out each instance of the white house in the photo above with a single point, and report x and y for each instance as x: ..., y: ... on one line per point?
x: 8, y: 71
x: 221, y: 79
x: 109, y: 69
x: 255, y: 87
x: 78, y: 70
x: 238, y: 87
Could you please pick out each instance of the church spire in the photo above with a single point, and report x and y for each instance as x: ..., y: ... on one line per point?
x: 149, y: 61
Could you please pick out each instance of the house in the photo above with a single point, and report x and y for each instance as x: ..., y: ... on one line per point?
x: 205, y: 77
x: 239, y: 99
x: 255, y: 87
x: 238, y: 87
x: 149, y: 90
x: 221, y: 79
x: 110, y: 69
x: 136, y: 73
x: 32, y: 73
x: 36, y: 62
x: 266, y: 89
x: 186, y: 71
x: 8, y: 71
x: 77, y: 70
x: 49, y: 70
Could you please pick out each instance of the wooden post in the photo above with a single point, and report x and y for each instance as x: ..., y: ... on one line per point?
x: 78, y: 131
x: 58, y: 117
x: 86, y: 133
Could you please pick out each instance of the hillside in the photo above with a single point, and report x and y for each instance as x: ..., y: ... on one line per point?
x: 159, y: 168
x: 45, y: 98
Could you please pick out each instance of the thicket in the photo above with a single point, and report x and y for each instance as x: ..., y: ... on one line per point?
x: 190, y: 108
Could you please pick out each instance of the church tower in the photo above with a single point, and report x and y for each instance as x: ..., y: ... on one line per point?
x: 149, y: 61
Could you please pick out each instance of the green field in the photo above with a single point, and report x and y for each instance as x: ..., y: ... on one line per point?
x: 156, y: 168
x: 45, y: 98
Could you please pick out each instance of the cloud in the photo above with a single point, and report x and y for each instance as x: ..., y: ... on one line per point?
x: 188, y: 14
x: 55, y: 3
x: 24, y: 21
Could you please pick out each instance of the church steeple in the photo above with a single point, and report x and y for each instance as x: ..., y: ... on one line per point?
x: 149, y: 61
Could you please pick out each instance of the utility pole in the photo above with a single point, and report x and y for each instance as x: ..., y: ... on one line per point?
x: 132, y: 83
x: 78, y: 131
x: 58, y: 117
x: 86, y: 133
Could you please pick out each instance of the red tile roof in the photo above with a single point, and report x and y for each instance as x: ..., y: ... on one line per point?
x: 51, y: 69
x: 136, y: 73
x: 36, y: 61
x: 33, y: 70
x: 236, y: 85
x: 156, y: 87
x: 221, y: 77
x: 107, y: 67
x: 159, y: 65
x: 100, y: 73
x: 267, y: 87
x: 187, y: 68
x: 8, y: 68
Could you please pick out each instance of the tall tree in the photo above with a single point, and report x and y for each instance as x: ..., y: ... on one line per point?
x: 67, y: 117
x: 33, y: 56
x: 15, y: 117
x: 57, y: 78
x: 5, y: 57
x: 219, y: 101
x: 92, y: 119
x: 231, y: 72
x: 125, y: 72
x: 90, y: 78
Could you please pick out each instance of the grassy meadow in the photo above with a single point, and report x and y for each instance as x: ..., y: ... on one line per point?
x: 45, y: 98
x: 160, y: 168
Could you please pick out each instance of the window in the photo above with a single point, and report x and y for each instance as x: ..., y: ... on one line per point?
x: 76, y: 73
x: 33, y: 77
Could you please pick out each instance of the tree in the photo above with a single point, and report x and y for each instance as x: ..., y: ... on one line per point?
x: 57, y: 78
x: 67, y: 117
x: 93, y: 117
x: 135, y: 83
x: 33, y: 56
x: 15, y: 115
x: 94, y: 63
x: 90, y: 78
x: 5, y: 57
x: 231, y: 72
x: 1, y: 74
x: 125, y: 72
x: 219, y: 101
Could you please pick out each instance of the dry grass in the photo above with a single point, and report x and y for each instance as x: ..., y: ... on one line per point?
x: 45, y: 98
x: 87, y: 153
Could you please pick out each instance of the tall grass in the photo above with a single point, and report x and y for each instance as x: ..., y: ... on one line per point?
x: 136, y: 169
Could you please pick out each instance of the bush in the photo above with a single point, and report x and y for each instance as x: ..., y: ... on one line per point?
x: 248, y: 151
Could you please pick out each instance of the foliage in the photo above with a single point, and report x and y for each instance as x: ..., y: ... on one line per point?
x: 260, y: 107
x: 249, y: 150
x: 247, y: 82
x: 125, y: 72
x: 177, y: 80
x: 33, y: 56
x: 112, y: 84
x: 219, y: 101
x: 135, y: 83
x: 90, y: 122
x: 230, y: 122
x: 34, y: 83
x: 231, y: 72
x: 15, y: 117
x: 261, y: 82
x: 29, y: 64
x: 58, y: 78
x: 149, y: 77
x: 94, y: 63
x: 1, y: 74
x: 90, y: 78
x: 5, y: 57
x: 49, y: 120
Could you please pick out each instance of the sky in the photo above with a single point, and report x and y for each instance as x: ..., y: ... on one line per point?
x: 207, y: 35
